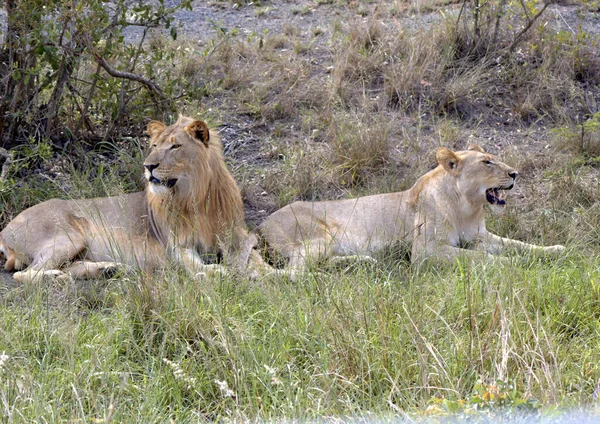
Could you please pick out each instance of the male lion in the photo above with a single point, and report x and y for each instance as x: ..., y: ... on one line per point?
x: 191, y: 207
x: 440, y: 216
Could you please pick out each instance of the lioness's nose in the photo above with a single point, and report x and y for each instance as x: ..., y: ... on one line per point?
x: 513, y: 174
x: 150, y: 167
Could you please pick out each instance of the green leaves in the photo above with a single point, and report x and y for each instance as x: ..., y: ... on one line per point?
x: 55, y: 80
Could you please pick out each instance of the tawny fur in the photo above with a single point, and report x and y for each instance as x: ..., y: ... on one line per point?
x: 211, y: 208
x: 191, y: 207
x: 441, y: 216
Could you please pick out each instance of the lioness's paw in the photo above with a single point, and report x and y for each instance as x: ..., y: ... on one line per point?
x: 209, y: 271
x: 556, y: 249
x: 200, y: 276
x: 108, y: 269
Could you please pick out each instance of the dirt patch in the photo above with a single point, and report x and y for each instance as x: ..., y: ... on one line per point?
x: 7, y: 283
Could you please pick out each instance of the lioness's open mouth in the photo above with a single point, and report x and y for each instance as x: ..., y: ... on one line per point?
x: 168, y: 183
x: 495, y: 196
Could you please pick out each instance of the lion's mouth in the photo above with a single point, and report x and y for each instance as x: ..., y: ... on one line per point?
x: 167, y: 183
x: 495, y: 196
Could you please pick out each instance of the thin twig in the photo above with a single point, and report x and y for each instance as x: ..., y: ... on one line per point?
x: 464, y: 5
x: 524, y: 9
x: 88, y: 101
x: 6, y: 165
x: 527, y: 27
x: 82, y: 111
x: 499, y: 13
x: 125, y: 86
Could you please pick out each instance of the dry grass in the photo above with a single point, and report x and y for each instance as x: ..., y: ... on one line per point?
x: 359, y: 146
x: 304, y: 174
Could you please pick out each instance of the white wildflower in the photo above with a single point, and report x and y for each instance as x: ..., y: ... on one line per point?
x: 3, y: 359
x: 224, y: 388
x: 275, y: 381
x: 132, y: 16
x: 180, y: 375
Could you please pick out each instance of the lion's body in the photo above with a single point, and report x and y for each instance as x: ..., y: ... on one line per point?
x: 441, y: 215
x: 191, y: 208
x: 52, y: 233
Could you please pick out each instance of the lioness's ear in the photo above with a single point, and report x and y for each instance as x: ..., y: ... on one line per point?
x: 476, y: 147
x: 448, y: 159
x: 155, y: 128
x: 199, y: 132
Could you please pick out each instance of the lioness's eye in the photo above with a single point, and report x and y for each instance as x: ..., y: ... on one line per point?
x: 175, y: 146
x: 152, y: 146
x: 487, y: 162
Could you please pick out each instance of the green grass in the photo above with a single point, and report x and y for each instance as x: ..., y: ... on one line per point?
x: 374, y: 340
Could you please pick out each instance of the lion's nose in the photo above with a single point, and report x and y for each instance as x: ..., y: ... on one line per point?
x: 513, y: 174
x: 150, y: 167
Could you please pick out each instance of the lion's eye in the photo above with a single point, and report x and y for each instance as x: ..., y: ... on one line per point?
x: 175, y: 146
x: 153, y: 146
x: 487, y: 162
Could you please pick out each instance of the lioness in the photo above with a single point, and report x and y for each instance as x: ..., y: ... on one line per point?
x: 441, y: 215
x: 191, y: 207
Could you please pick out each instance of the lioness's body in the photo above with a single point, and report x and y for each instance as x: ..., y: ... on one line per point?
x: 338, y: 227
x: 191, y: 208
x: 441, y: 215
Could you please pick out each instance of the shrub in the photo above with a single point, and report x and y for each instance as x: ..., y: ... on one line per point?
x: 71, y: 74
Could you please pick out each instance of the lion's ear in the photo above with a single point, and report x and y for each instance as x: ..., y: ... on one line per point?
x: 476, y: 147
x: 448, y: 159
x: 199, y: 132
x: 155, y: 128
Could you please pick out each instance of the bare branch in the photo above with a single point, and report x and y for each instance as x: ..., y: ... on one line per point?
x: 7, y: 161
x: 125, y: 86
x: 153, y: 88
x: 143, y: 24
x: 526, y: 28
x: 128, y: 75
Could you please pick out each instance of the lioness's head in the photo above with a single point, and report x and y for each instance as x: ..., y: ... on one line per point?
x: 178, y: 155
x: 480, y: 177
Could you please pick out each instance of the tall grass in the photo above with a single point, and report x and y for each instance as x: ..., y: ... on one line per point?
x: 373, y: 340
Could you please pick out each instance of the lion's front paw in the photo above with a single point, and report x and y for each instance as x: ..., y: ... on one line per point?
x: 38, y: 275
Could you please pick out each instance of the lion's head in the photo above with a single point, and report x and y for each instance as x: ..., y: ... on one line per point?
x: 179, y: 155
x: 186, y: 175
x: 480, y: 177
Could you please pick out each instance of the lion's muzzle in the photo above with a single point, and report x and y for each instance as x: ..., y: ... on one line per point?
x: 169, y: 183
